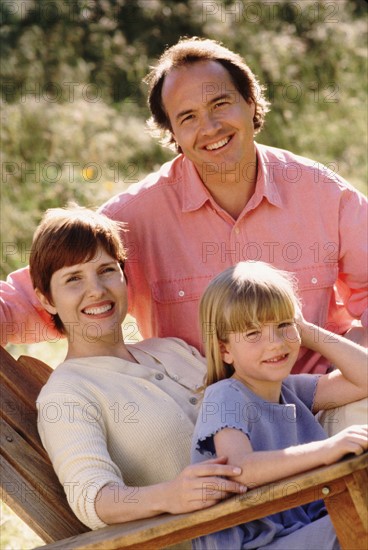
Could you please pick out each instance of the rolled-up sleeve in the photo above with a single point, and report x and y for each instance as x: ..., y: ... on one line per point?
x: 23, y: 319
x: 352, y: 284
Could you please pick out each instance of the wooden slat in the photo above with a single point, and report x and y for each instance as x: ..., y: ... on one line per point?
x: 21, y: 417
x: 29, y: 464
x: 352, y: 507
x: 33, y: 489
x: 166, y: 529
x: 28, y: 502
x: 358, y: 489
x: 20, y: 386
x: 29, y: 484
x: 25, y: 377
x: 347, y: 520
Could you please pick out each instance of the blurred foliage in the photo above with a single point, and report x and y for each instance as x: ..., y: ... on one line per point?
x: 74, y: 106
x: 14, y: 533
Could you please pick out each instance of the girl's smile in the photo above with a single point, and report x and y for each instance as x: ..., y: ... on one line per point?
x: 278, y: 359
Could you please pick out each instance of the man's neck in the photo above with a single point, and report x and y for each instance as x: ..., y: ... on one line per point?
x: 233, y: 188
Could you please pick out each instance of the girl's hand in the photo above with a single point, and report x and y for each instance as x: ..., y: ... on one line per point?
x: 202, y: 485
x: 351, y: 440
x: 306, y: 330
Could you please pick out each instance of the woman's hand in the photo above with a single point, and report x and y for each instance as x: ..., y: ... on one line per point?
x: 202, y: 485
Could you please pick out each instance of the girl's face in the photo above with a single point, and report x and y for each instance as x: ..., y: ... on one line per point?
x: 90, y: 298
x: 263, y: 354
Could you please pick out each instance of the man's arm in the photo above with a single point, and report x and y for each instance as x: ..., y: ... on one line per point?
x: 353, y: 259
x: 23, y: 319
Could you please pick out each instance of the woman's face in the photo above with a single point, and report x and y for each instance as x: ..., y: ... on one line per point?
x: 90, y: 298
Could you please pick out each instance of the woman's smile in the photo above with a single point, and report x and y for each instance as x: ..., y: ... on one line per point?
x: 101, y: 309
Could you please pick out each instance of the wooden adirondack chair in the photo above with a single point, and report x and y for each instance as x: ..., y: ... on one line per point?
x: 32, y: 490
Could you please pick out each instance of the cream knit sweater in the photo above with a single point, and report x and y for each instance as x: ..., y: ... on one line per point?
x: 103, y: 420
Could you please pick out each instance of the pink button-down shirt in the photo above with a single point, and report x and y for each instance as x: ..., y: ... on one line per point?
x: 301, y: 218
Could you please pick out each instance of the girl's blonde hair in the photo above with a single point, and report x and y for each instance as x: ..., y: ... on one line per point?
x: 243, y: 296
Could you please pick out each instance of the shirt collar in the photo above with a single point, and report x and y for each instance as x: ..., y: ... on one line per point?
x: 266, y: 178
x: 195, y: 193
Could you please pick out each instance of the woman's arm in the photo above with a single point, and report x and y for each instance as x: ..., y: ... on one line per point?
x: 350, y: 381
x: 196, y: 487
x: 77, y: 446
x: 261, y: 467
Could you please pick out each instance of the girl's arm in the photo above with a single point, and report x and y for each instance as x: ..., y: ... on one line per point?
x: 196, y: 487
x: 350, y: 381
x: 261, y: 467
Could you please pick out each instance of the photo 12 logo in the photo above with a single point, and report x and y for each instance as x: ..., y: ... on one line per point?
x: 266, y: 11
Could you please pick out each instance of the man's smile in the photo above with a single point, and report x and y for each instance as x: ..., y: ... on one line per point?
x: 218, y: 144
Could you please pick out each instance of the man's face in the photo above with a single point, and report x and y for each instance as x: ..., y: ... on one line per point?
x: 210, y: 119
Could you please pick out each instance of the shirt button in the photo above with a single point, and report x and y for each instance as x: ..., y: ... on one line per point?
x: 314, y: 280
x: 181, y: 293
x: 193, y: 400
x: 237, y: 230
x: 175, y: 377
x: 159, y: 376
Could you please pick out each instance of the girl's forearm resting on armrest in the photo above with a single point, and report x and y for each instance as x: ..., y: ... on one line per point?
x: 259, y: 468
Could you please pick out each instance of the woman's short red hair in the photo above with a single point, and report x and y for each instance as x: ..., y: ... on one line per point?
x: 68, y: 236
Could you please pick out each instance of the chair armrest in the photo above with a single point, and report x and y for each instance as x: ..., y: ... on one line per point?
x: 328, y: 482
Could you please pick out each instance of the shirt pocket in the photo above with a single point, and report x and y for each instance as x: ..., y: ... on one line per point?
x: 316, y: 289
x: 172, y: 291
x: 317, y: 276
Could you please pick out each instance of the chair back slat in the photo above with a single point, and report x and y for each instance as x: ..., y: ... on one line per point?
x: 29, y: 484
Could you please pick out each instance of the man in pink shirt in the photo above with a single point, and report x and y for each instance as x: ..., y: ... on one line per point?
x: 224, y: 199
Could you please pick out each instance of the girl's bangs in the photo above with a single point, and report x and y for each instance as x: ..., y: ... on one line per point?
x: 256, y: 307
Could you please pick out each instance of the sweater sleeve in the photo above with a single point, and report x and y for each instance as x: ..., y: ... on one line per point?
x: 74, y: 436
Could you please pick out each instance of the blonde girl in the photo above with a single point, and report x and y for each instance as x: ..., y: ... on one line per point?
x: 258, y: 414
